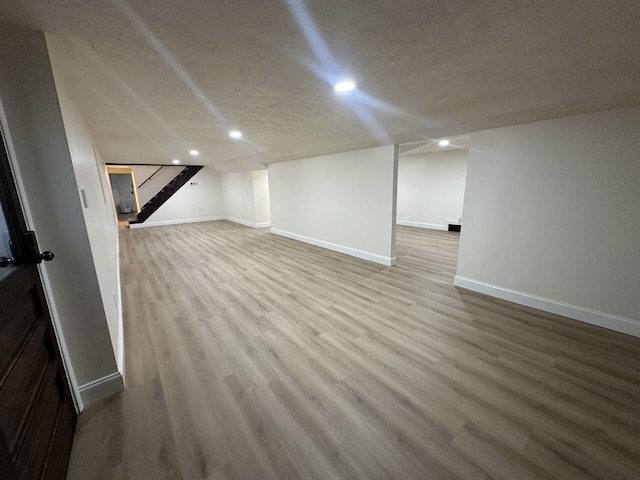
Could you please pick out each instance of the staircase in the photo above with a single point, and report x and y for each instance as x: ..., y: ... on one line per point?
x: 163, y: 195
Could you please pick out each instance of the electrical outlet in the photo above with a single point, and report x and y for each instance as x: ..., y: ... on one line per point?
x: 401, y: 214
x: 193, y: 183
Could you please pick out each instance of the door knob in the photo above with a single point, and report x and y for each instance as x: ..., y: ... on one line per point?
x: 47, y: 256
x: 26, y: 252
x: 31, y: 250
x: 5, y: 262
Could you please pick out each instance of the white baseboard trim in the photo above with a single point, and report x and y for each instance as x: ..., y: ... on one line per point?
x: 120, y: 361
x: 432, y: 226
x: 101, y: 388
x: 594, y: 317
x: 248, y: 224
x: 372, y: 257
x: 174, y: 222
x: 120, y: 357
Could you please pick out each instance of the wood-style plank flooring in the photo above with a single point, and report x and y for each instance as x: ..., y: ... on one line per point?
x: 252, y: 356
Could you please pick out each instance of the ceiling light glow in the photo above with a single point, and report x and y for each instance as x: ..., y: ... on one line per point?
x: 236, y: 134
x: 444, y: 142
x: 344, y: 86
x: 175, y: 161
x: 194, y: 153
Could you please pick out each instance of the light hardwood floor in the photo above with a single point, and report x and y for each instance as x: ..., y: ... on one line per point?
x: 252, y: 356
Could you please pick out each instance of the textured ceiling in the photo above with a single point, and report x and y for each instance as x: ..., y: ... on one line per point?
x: 459, y: 142
x: 155, y: 78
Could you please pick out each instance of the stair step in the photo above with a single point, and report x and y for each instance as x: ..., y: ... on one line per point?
x: 167, y: 191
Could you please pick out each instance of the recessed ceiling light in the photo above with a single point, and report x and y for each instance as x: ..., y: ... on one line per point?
x: 235, y: 134
x: 194, y: 153
x: 344, y: 86
x: 443, y: 143
x: 175, y: 160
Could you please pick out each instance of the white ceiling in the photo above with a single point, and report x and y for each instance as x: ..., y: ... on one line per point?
x: 155, y: 78
x: 458, y: 142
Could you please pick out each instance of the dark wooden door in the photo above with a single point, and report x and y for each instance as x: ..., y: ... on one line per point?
x: 37, y: 415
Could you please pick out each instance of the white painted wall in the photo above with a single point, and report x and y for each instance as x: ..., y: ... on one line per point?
x: 142, y: 173
x: 551, y: 216
x: 238, y: 197
x: 192, y: 203
x: 99, y: 214
x: 261, y: 197
x: 241, y: 197
x: 431, y: 188
x: 246, y: 198
x: 50, y: 182
x: 345, y: 201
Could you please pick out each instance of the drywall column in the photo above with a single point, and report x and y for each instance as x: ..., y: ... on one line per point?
x: 344, y: 202
x: 261, y: 197
x: 238, y: 198
x: 551, y: 217
x: 246, y: 198
x: 38, y: 147
x: 98, y: 211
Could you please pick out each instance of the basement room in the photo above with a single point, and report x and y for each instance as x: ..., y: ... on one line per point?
x: 319, y: 240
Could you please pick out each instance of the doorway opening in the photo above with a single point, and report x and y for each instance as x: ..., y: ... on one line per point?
x: 431, y: 182
x: 124, y: 192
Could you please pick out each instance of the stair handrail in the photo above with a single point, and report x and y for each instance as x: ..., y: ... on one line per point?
x: 149, y: 177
